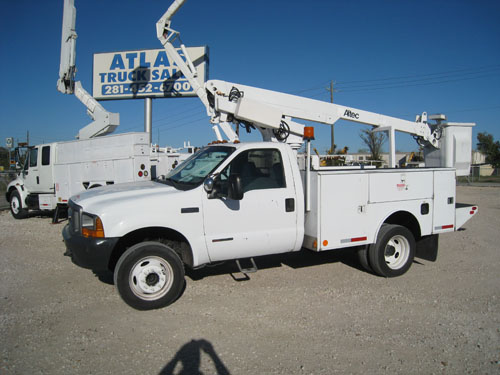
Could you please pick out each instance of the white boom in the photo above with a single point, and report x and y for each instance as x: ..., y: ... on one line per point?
x: 167, y: 36
x: 104, y: 122
x: 272, y: 112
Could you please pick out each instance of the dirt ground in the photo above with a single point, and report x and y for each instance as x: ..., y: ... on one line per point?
x: 302, y: 313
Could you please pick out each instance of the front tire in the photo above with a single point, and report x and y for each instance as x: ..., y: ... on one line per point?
x: 16, y: 206
x: 149, y: 275
x: 394, y: 251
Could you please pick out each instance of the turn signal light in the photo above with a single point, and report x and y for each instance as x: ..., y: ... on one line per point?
x: 97, y: 231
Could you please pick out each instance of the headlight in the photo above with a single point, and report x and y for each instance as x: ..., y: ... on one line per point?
x: 92, y: 226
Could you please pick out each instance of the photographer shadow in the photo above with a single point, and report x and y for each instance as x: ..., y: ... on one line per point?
x: 189, y: 356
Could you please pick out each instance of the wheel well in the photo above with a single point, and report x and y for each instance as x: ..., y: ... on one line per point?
x: 169, y: 237
x: 9, y: 192
x: 407, y: 220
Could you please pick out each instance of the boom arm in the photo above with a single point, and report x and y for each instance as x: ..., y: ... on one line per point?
x: 167, y: 36
x: 273, y: 113
x: 104, y: 122
x: 268, y: 109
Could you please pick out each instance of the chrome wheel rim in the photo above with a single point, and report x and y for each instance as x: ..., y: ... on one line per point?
x: 14, y: 205
x: 151, y: 278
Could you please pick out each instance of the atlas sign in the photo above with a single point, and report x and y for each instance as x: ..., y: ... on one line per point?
x: 145, y: 74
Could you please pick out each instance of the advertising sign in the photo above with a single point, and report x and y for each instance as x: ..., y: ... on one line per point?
x: 145, y: 74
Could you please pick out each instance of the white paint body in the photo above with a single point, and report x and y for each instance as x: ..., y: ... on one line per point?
x: 63, y: 169
x: 348, y: 207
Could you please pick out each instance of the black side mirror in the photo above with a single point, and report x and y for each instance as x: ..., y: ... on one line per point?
x: 235, y: 188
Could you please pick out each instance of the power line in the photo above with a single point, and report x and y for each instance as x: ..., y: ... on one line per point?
x: 444, y: 73
x: 458, y: 110
x: 408, y: 80
x: 187, y: 123
x: 402, y: 85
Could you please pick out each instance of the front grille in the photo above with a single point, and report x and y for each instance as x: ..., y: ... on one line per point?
x: 74, y: 215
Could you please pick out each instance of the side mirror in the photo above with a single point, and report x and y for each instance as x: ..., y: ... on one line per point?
x: 235, y: 188
x: 208, y: 184
x: 212, y: 186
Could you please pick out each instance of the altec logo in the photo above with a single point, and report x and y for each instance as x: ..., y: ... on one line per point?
x: 351, y: 114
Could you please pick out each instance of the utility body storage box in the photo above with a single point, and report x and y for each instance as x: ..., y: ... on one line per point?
x: 349, y: 206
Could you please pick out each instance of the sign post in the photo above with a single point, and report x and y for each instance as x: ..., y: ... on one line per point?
x: 9, y: 142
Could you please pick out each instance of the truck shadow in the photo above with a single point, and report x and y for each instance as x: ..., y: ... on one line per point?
x: 295, y: 260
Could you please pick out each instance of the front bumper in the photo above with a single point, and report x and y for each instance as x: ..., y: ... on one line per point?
x: 93, y: 253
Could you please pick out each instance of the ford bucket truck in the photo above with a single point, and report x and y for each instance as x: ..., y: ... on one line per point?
x: 235, y: 201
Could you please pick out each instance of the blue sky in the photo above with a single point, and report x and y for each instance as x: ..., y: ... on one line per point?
x: 399, y: 58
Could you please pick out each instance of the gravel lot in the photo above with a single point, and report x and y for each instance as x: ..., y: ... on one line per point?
x: 302, y: 313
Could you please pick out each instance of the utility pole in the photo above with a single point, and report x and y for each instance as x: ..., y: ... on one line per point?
x: 332, y: 148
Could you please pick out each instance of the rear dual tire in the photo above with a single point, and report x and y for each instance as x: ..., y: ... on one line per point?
x: 392, y: 254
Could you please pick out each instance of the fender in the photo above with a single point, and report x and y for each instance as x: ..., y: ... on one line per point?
x: 18, y: 185
x: 404, y: 218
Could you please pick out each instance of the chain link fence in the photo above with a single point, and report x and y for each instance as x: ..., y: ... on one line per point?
x: 484, y: 173
x: 5, y: 178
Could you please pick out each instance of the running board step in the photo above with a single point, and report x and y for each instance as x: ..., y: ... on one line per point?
x: 251, y: 269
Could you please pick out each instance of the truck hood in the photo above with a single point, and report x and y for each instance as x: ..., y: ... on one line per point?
x: 126, y: 207
x: 116, y: 194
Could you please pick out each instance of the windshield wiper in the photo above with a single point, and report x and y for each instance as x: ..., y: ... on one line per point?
x: 180, y: 185
x: 169, y: 181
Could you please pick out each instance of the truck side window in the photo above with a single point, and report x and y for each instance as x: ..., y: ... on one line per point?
x: 258, y: 169
x: 45, y: 155
x: 33, y: 157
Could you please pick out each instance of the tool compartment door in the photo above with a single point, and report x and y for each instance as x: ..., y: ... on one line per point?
x: 400, y: 185
x: 444, y: 201
x: 343, y: 206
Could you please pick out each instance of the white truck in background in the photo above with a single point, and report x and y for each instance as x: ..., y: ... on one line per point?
x: 235, y: 201
x: 53, y: 172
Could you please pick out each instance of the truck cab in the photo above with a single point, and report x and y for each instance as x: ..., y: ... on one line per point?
x: 35, y: 178
x: 227, y: 201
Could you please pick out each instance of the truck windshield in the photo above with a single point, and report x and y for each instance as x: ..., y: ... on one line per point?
x: 193, y: 171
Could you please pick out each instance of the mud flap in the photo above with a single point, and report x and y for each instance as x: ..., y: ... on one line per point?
x: 427, y: 247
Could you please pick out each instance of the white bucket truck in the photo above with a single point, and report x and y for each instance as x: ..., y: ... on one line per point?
x: 53, y: 172
x: 233, y: 201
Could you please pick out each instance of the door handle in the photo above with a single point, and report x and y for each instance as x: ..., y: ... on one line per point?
x: 289, y: 204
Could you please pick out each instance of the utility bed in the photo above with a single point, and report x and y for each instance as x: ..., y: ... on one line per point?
x: 344, y: 204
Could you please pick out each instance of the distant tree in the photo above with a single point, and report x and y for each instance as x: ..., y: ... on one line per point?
x: 4, y: 158
x: 331, y: 151
x: 487, y: 145
x: 374, y: 141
